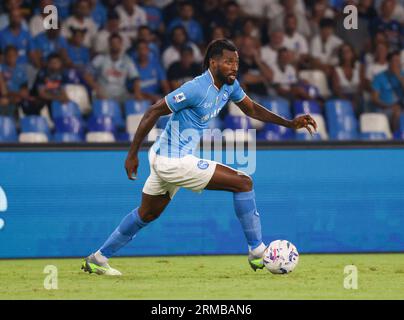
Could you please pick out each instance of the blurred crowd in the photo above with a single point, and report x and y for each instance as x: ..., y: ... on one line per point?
x: 134, y: 49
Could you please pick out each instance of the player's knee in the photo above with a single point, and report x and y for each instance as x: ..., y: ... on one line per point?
x: 148, y: 215
x: 246, y: 184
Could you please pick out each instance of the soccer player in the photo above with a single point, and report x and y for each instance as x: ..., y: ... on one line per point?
x: 173, y: 165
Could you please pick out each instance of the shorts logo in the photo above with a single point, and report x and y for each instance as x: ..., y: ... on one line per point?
x: 179, y: 97
x: 202, y: 164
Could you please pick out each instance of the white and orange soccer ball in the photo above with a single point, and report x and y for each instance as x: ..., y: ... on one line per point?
x: 280, y: 257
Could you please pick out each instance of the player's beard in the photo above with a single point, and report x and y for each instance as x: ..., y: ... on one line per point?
x: 225, y: 79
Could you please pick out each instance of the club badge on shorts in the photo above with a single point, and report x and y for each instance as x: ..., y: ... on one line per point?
x: 202, y: 164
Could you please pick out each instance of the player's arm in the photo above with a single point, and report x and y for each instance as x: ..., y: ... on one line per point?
x: 147, y: 122
x: 256, y: 111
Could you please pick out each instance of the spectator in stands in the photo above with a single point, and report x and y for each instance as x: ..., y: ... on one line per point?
x: 398, y: 9
x: 217, y: 33
x: 10, y: 5
x: 294, y: 41
x: 250, y: 29
x: 16, y: 36
x: 255, y: 75
x: 49, y: 85
x: 356, y: 38
x: 184, y: 70
x: 320, y: 10
x: 324, y: 47
x: 386, y: 23
x: 5, y: 109
x: 366, y: 10
x: 63, y: 7
x: 210, y: 15
x: 78, y: 56
x: 290, y: 7
x: 45, y: 43
x: 186, y: 19
x: 285, y: 79
x: 100, y: 45
x: 179, y: 38
x: 153, y: 79
x: 348, y: 77
x: 388, y: 90
x: 146, y: 34
x: 154, y: 16
x: 113, y: 71
x: 81, y: 20
x: 15, y: 78
x: 36, y: 23
x: 131, y: 17
x: 232, y: 22
x: 98, y: 13
x: 269, y: 52
x: 376, y: 63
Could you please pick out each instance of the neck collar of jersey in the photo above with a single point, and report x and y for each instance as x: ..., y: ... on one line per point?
x: 213, y: 80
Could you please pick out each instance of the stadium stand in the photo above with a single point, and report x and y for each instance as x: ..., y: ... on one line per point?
x: 303, y: 80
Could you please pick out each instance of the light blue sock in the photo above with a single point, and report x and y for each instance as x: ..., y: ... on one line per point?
x: 246, y: 211
x: 125, y: 232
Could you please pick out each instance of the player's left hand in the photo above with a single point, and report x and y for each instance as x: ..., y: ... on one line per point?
x: 131, y: 165
x: 305, y: 121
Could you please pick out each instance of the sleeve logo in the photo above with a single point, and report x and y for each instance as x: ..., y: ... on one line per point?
x: 179, y: 97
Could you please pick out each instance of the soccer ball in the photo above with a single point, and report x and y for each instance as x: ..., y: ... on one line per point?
x: 281, y: 256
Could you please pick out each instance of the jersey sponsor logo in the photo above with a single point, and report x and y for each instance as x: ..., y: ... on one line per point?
x: 179, y: 97
x: 202, y: 164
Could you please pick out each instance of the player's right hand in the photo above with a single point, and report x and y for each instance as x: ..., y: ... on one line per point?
x: 131, y: 164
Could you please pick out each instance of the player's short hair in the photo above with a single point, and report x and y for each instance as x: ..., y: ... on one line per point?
x: 215, y: 48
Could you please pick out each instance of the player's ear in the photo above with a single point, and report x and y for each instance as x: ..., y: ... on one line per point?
x: 213, y: 62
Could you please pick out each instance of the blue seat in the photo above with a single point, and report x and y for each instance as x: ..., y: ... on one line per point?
x: 305, y: 136
x: 341, y: 120
x: 402, y: 122
x: 345, y: 135
x: 338, y: 107
x: 61, y: 110
x: 109, y: 108
x: 67, y: 137
x: 35, y: 124
x: 123, y: 137
x: 69, y: 125
x: 272, y: 132
x: 236, y: 122
x: 101, y: 124
x: 8, y: 132
x: 136, y: 106
x: 279, y: 106
x: 373, y: 136
x: 306, y: 106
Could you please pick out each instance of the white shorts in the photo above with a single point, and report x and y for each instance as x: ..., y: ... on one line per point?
x: 169, y: 174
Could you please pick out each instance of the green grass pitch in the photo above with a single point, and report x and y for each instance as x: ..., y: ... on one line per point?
x: 380, y: 276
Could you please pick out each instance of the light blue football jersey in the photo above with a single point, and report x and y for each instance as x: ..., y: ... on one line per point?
x: 193, y: 105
